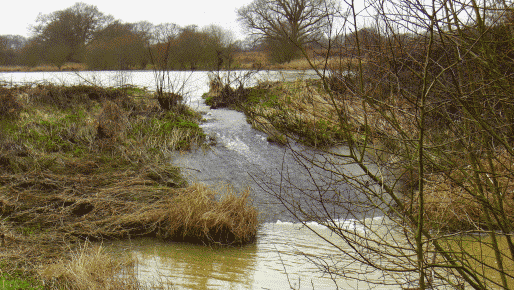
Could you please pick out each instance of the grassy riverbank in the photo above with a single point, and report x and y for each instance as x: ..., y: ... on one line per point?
x: 84, y: 163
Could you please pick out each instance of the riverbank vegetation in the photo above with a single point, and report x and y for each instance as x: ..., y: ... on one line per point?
x: 84, y: 163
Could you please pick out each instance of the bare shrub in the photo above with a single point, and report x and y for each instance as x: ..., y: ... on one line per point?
x: 169, y: 100
x: 9, y: 106
x: 112, y: 122
x: 426, y: 115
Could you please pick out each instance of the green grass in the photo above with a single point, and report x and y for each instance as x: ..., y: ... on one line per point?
x: 9, y: 282
x: 276, y: 107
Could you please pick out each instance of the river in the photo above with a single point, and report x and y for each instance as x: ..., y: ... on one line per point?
x: 242, y: 157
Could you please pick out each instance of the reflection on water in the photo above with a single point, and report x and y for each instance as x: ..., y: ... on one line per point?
x: 280, y: 258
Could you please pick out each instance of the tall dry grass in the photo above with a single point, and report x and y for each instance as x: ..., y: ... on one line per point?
x: 91, y: 267
x: 200, y: 214
x: 260, y: 60
x: 299, y: 109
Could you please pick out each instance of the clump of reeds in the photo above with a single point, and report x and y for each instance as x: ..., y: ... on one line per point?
x: 222, y: 95
x: 112, y: 121
x: 199, y: 214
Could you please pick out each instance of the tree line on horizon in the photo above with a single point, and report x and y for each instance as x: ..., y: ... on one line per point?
x: 83, y: 34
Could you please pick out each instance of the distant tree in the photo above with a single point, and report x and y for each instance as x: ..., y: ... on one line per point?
x: 3, y: 50
x: 32, y: 53
x: 117, y: 46
x: 189, y: 50
x: 64, y: 34
x: 14, y: 42
x: 165, y: 32
x: 222, y: 41
x: 286, y: 25
x: 144, y: 29
x: 175, y: 47
x: 280, y: 50
x: 10, y: 48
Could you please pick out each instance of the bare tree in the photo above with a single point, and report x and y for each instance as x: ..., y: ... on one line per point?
x: 293, y: 23
x: 164, y: 32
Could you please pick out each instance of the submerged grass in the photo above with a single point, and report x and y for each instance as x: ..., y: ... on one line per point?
x: 84, y: 163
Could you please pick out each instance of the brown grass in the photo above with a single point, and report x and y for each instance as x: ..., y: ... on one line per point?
x: 454, y: 202
x: 259, y: 60
x: 301, y: 104
x: 91, y: 267
x: 41, y: 68
x: 46, y: 212
x: 200, y: 214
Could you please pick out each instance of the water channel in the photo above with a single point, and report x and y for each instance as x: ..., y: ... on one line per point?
x: 280, y: 259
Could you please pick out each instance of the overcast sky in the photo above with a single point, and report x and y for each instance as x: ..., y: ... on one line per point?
x: 18, y: 15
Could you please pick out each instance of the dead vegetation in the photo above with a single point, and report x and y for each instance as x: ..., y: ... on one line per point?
x: 66, y: 67
x: 259, y: 60
x: 84, y: 163
x: 90, y: 267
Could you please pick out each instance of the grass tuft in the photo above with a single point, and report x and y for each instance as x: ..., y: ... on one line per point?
x: 91, y: 267
x: 196, y: 215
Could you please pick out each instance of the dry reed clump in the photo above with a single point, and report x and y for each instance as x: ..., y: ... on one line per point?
x: 90, y: 267
x: 112, y: 122
x: 196, y: 215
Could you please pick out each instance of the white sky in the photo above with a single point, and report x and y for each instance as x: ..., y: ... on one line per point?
x: 19, y: 14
